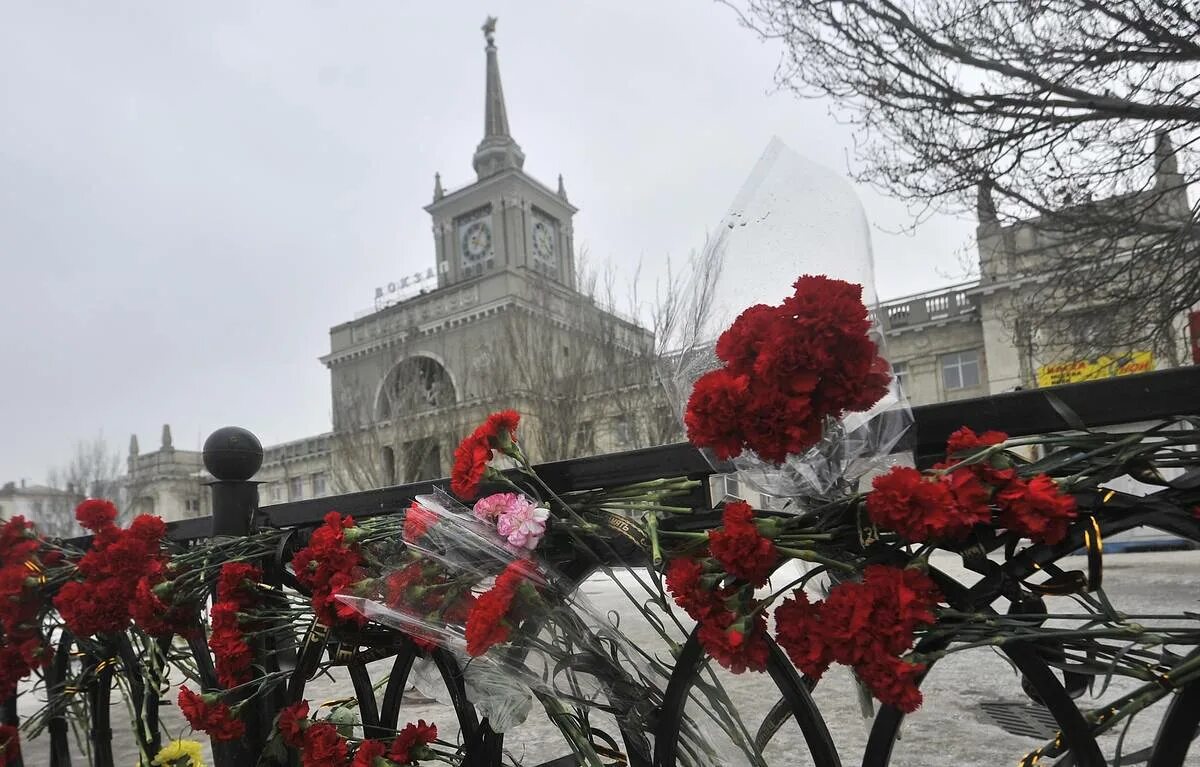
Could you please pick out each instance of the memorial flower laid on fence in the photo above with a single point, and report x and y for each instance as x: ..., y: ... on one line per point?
x: 787, y: 370
x: 947, y: 503
x: 102, y: 599
x: 329, y: 564
x: 22, y: 562
x: 180, y: 753
x: 321, y: 744
x: 236, y: 595
x: 208, y: 713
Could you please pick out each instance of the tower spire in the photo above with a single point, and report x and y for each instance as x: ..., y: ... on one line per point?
x: 1166, y: 167
x: 498, y: 151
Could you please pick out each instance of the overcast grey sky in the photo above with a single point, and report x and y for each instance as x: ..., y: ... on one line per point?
x: 192, y: 194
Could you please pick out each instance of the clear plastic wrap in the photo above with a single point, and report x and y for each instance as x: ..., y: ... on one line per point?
x: 555, y: 644
x: 792, y: 217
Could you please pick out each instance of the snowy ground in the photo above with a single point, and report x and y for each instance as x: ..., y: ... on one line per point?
x: 950, y: 729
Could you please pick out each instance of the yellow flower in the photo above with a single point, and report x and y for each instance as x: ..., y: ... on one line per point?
x: 180, y: 753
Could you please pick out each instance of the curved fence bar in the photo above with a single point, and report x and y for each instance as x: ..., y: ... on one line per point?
x: 1179, y: 727
x: 60, y: 747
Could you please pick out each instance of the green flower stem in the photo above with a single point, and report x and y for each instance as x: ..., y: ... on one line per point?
x: 1000, y: 641
x: 651, y: 525
x: 1146, y: 695
x: 635, y: 506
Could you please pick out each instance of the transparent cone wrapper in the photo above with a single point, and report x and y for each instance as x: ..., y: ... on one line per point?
x: 560, y: 647
x: 792, y: 217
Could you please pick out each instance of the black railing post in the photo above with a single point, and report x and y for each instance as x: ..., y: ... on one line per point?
x: 232, y: 455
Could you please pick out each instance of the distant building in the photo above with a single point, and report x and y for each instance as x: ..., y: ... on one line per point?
x: 967, y: 340
x: 37, y: 503
x: 498, y: 322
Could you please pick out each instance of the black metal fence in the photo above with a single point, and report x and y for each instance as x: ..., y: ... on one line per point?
x: 233, y: 456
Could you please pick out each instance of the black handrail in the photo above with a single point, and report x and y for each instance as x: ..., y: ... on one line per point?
x: 1108, y: 402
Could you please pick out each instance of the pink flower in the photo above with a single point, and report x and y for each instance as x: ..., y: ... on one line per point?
x: 523, y: 523
x: 490, y: 507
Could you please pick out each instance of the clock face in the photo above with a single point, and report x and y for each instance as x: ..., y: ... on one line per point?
x: 476, y: 241
x: 543, y: 241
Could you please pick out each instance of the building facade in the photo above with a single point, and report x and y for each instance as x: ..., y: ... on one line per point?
x: 975, y: 338
x: 47, y: 507
x: 507, y: 326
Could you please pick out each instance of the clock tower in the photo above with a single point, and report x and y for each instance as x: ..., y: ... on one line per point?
x: 506, y: 219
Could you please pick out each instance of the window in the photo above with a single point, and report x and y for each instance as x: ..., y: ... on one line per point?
x: 318, y: 483
x: 192, y: 505
x: 960, y: 370
x: 295, y: 488
x: 732, y: 488
x: 900, y: 371
x: 276, y: 491
x: 623, y: 429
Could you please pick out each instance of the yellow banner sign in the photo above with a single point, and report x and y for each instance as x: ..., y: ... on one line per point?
x: 1091, y: 370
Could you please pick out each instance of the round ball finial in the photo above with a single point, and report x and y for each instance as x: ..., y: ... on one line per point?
x: 232, y: 454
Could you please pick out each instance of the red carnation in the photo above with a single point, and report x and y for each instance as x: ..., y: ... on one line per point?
x: 894, y: 682
x: 739, y: 547
x: 965, y: 442
x: 110, y: 570
x: 686, y: 582
x: 417, y: 522
x: 367, y: 752
x: 148, y: 528
x: 683, y: 581
x: 322, y: 746
x: 398, y: 583
x: 798, y: 630
x: 236, y: 583
x: 789, y: 369
x: 1036, y: 509
x: 500, y: 429
x: 232, y: 656
x: 96, y: 513
x: 738, y: 346
x: 328, y: 565
x: 863, y: 622
x: 714, y: 412
x: 470, y: 464
x: 487, y: 622
x: 922, y: 508
x: 292, y: 721
x: 410, y: 744
x: 739, y: 645
x: 207, y: 714
x: 158, y: 618
x: 499, y: 432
